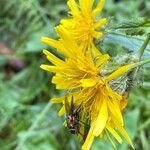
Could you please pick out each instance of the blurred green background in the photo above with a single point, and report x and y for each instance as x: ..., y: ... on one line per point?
x: 25, y: 89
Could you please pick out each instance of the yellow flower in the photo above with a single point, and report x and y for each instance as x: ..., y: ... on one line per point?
x: 100, y: 104
x: 83, y: 25
x: 104, y: 106
x: 76, y: 65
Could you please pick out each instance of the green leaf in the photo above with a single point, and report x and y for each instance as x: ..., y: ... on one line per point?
x: 132, y: 44
x: 133, y: 23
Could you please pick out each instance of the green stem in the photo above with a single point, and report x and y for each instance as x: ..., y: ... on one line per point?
x: 141, y: 63
x: 141, y: 50
x: 33, y: 126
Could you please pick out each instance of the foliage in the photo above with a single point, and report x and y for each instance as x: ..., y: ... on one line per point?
x: 25, y: 91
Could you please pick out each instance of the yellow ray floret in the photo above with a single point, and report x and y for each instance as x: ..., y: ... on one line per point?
x: 75, y: 66
x: 70, y: 71
x: 83, y: 24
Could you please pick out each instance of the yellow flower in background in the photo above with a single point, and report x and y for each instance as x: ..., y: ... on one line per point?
x: 84, y: 24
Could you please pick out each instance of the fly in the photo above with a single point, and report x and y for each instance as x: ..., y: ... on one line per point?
x: 72, y: 116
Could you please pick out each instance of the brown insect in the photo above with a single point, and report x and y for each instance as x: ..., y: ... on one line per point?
x: 72, y: 116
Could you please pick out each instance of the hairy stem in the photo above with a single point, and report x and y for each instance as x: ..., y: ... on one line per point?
x: 142, y: 49
x: 140, y: 63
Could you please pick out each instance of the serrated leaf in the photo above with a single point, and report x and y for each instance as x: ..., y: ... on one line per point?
x: 133, y: 23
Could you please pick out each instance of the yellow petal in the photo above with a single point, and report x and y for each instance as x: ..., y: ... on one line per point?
x: 124, y: 101
x: 101, y: 61
x: 50, y: 68
x: 114, y: 133
x: 54, y: 43
x: 62, y: 111
x: 67, y: 41
x: 63, y: 83
x: 102, y: 135
x: 65, y: 123
x: 53, y: 59
x: 101, y: 119
x: 68, y: 24
x: 98, y: 8
x: 111, y: 141
x: 57, y: 100
x: 124, y: 133
x: 88, y: 82
x: 88, y: 142
x: 86, y: 7
x: 119, y: 72
x: 97, y: 34
x: 95, y: 51
x: 73, y: 7
x: 115, y: 112
x: 100, y: 23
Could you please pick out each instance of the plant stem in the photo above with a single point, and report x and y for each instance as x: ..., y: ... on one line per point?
x: 141, y: 50
x: 140, y: 63
x: 33, y: 126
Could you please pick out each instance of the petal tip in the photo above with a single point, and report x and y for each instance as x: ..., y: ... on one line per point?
x: 46, y: 52
x: 43, y: 67
x: 42, y: 39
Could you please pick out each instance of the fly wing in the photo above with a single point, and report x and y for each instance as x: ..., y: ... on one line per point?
x: 75, y: 109
x: 67, y: 106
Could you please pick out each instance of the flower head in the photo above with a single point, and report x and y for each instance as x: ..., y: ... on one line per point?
x: 76, y: 65
x: 83, y: 25
x: 101, y: 105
